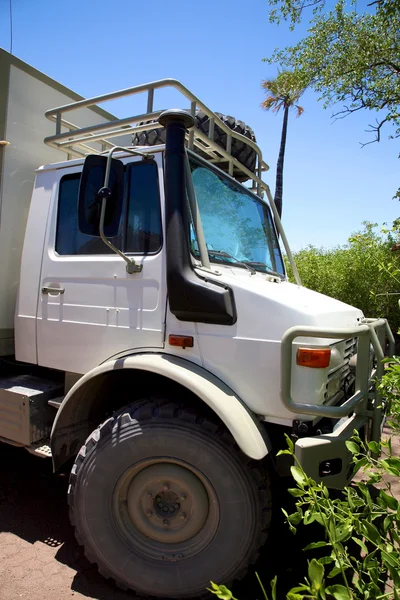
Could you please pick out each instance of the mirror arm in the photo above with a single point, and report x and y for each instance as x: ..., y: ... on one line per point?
x: 131, y: 265
x: 104, y: 193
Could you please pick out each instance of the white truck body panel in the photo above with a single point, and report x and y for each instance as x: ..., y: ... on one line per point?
x: 104, y: 311
x: 247, y: 355
x: 25, y: 94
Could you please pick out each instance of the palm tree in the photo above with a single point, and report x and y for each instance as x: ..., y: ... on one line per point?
x: 282, y: 92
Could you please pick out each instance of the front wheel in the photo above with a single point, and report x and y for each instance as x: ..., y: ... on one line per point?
x: 163, y: 501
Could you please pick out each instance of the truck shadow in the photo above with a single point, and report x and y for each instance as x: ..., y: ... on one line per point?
x: 33, y: 506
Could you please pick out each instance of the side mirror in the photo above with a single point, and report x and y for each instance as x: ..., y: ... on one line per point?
x: 90, y: 201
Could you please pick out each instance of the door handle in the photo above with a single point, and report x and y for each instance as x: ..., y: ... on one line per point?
x: 52, y: 290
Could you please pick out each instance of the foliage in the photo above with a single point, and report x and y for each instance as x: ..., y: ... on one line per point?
x: 223, y: 593
x: 360, y: 519
x: 363, y: 273
x: 348, y: 57
x: 389, y: 389
x: 282, y: 93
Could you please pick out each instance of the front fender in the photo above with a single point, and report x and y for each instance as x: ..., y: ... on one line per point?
x: 73, y: 413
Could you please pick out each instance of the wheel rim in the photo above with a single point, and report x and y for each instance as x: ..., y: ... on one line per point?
x: 165, y: 509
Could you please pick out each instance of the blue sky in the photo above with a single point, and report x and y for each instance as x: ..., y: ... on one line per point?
x: 215, y: 48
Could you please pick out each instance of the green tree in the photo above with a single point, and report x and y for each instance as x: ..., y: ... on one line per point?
x: 282, y: 93
x: 349, y: 58
x: 364, y: 273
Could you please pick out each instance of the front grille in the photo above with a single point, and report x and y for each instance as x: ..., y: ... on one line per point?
x: 350, y: 348
x: 341, y: 378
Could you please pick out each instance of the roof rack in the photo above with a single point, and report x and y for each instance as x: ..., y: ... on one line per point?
x: 78, y: 141
x: 95, y: 139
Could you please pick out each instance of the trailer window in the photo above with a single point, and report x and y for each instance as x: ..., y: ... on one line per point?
x: 140, y: 231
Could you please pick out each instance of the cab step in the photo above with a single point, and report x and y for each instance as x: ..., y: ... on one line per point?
x: 41, y: 449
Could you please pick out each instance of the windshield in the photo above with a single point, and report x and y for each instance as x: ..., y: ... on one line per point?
x: 237, y: 226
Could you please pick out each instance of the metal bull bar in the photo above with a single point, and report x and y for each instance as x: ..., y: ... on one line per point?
x: 371, y: 331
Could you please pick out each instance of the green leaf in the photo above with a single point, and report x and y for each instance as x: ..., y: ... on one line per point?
x: 298, y: 475
x: 293, y: 596
x: 296, y: 492
x: 335, y: 571
x: 361, y: 544
x: 360, y: 463
x: 387, y: 522
x: 395, y: 576
x: 391, y: 465
x: 295, y: 518
x: 316, y: 573
x: 339, y: 592
x: 326, y: 560
x: 390, y: 560
x: 290, y: 443
x: 214, y: 585
x: 300, y: 588
x: 343, y: 531
x: 353, y: 447
x: 388, y: 500
x: 314, y: 545
x: 310, y: 517
x: 374, y: 447
x: 289, y: 518
x: 221, y: 591
x: 273, y: 587
x: 261, y: 586
x: 371, y: 532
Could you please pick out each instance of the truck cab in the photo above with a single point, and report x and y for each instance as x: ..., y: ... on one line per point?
x: 170, y: 353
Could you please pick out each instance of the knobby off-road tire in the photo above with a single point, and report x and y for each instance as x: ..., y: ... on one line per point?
x: 240, y: 150
x: 163, y: 501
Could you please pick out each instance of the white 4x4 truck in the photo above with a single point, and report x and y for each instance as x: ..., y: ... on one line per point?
x: 161, y: 352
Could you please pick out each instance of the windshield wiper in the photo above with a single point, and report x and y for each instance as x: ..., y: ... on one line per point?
x: 254, y: 263
x: 246, y: 264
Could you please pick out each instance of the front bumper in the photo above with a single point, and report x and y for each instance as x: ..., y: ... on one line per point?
x: 325, y: 457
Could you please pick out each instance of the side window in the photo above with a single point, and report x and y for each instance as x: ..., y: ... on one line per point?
x: 143, y: 232
x: 69, y: 240
x: 140, y: 232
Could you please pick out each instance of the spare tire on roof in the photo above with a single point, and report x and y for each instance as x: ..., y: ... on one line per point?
x: 239, y: 150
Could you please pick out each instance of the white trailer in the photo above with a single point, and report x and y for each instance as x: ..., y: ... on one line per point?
x: 163, y: 352
x: 25, y: 95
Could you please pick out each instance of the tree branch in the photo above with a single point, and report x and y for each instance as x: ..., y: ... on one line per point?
x: 375, y: 129
x: 384, y: 63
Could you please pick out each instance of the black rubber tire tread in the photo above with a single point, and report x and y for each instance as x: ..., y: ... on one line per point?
x: 244, y: 153
x: 157, y: 410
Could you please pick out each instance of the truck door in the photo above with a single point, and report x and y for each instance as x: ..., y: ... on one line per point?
x: 90, y: 309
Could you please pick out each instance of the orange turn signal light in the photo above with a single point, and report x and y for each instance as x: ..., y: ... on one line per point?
x: 317, y: 358
x: 183, y: 341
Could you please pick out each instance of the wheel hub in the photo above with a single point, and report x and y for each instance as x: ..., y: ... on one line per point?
x: 167, y: 503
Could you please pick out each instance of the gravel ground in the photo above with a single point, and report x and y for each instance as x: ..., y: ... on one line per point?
x: 39, y: 558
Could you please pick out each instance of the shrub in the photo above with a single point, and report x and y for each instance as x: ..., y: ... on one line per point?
x: 364, y: 273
